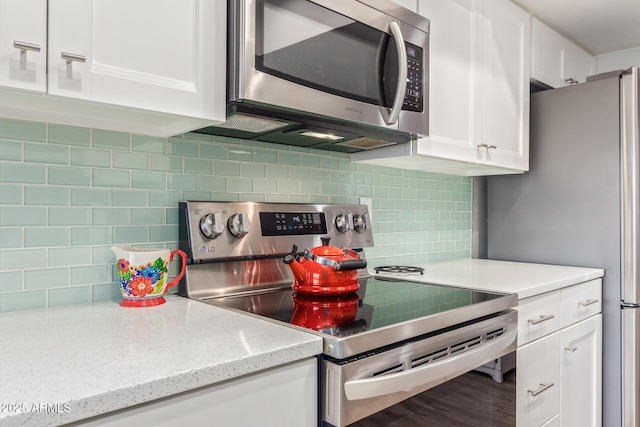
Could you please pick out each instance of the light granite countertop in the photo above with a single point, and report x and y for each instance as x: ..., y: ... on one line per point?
x: 524, y: 279
x: 65, y: 364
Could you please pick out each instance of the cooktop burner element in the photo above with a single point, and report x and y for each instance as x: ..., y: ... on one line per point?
x: 399, y: 269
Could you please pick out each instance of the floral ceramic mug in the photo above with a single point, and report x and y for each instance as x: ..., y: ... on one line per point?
x: 143, y: 274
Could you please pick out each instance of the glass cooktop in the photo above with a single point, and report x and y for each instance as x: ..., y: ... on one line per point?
x: 378, y: 304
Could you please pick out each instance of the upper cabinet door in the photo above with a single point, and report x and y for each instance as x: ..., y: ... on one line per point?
x: 23, y: 44
x: 453, y: 80
x: 70, y: 41
x: 546, y: 54
x: 577, y: 64
x: 506, y: 32
x: 157, y: 55
x: 556, y: 61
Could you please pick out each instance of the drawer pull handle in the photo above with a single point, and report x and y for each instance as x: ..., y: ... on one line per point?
x: 588, y: 302
x: 24, y: 46
x: 572, y: 348
x: 542, y: 318
x: 540, y: 389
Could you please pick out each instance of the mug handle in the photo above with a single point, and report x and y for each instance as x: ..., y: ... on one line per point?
x: 184, y: 268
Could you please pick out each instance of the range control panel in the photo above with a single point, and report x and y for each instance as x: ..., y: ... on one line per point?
x: 211, y: 231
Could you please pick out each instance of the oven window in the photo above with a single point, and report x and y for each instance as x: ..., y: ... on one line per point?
x: 313, y: 46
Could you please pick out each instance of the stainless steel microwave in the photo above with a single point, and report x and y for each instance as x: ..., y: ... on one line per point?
x: 344, y: 75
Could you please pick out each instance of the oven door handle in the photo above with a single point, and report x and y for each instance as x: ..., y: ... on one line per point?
x: 431, y: 374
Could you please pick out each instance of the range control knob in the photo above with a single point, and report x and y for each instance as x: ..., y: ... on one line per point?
x: 239, y: 224
x: 342, y: 222
x: 359, y: 223
x: 211, y: 225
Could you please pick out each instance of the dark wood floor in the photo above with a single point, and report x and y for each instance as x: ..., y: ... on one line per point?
x: 472, y: 400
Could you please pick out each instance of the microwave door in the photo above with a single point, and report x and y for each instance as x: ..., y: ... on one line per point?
x: 307, y: 52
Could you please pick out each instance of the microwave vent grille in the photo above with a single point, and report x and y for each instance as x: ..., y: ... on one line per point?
x: 366, y: 143
x: 251, y: 124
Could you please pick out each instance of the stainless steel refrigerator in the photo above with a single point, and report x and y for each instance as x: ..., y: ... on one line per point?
x: 580, y: 205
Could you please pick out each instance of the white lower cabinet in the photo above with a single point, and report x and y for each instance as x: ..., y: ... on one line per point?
x: 582, y: 373
x: 538, y: 381
x: 554, y: 422
x: 283, y: 396
x: 559, y: 358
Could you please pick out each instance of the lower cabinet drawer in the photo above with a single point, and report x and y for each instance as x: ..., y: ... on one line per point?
x: 538, y: 316
x: 538, y: 381
x: 581, y: 301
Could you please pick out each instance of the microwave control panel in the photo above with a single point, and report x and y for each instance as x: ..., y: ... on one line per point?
x: 413, y: 99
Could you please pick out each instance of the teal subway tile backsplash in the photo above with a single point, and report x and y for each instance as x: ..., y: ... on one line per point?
x: 46, y: 195
x: 69, y: 135
x: 11, y: 194
x: 90, y: 157
x: 111, y: 140
x: 63, y: 175
x: 45, y: 153
x: 67, y: 194
x: 22, y: 173
x: 69, y: 296
x: 10, y: 150
x: 23, y: 130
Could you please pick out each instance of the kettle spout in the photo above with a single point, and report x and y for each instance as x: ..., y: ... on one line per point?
x: 296, y: 268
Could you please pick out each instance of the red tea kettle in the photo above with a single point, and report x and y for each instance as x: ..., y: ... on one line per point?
x: 325, y: 270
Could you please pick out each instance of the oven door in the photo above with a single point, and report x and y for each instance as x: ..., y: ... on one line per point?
x: 337, y: 59
x: 360, y: 386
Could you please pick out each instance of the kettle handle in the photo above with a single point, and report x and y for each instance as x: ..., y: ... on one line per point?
x: 182, y: 270
x: 354, y: 264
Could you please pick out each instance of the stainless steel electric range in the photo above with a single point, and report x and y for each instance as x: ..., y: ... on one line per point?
x: 384, y: 343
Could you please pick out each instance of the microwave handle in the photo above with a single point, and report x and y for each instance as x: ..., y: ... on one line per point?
x: 391, y: 116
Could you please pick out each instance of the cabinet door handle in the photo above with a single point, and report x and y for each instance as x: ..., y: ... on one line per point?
x: 588, y: 302
x: 72, y: 57
x: 542, y: 318
x: 572, y: 348
x: 489, y: 147
x: 540, y: 389
x: 24, y: 46
x: 571, y: 81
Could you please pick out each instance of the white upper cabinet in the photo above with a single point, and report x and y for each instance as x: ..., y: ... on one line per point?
x: 23, y: 44
x: 503, y: 137
x: 151, y: 66
x: 556, y: 61
x: 452, y: 78
x: 479, y: 71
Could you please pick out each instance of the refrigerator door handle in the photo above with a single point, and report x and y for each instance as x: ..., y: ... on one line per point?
x: 630, y: 186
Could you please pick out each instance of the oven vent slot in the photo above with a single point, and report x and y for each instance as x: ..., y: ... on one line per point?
x: 466, y: 345
x: 494, y: 334
x: 391, y: 370
x: 431, y: 357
